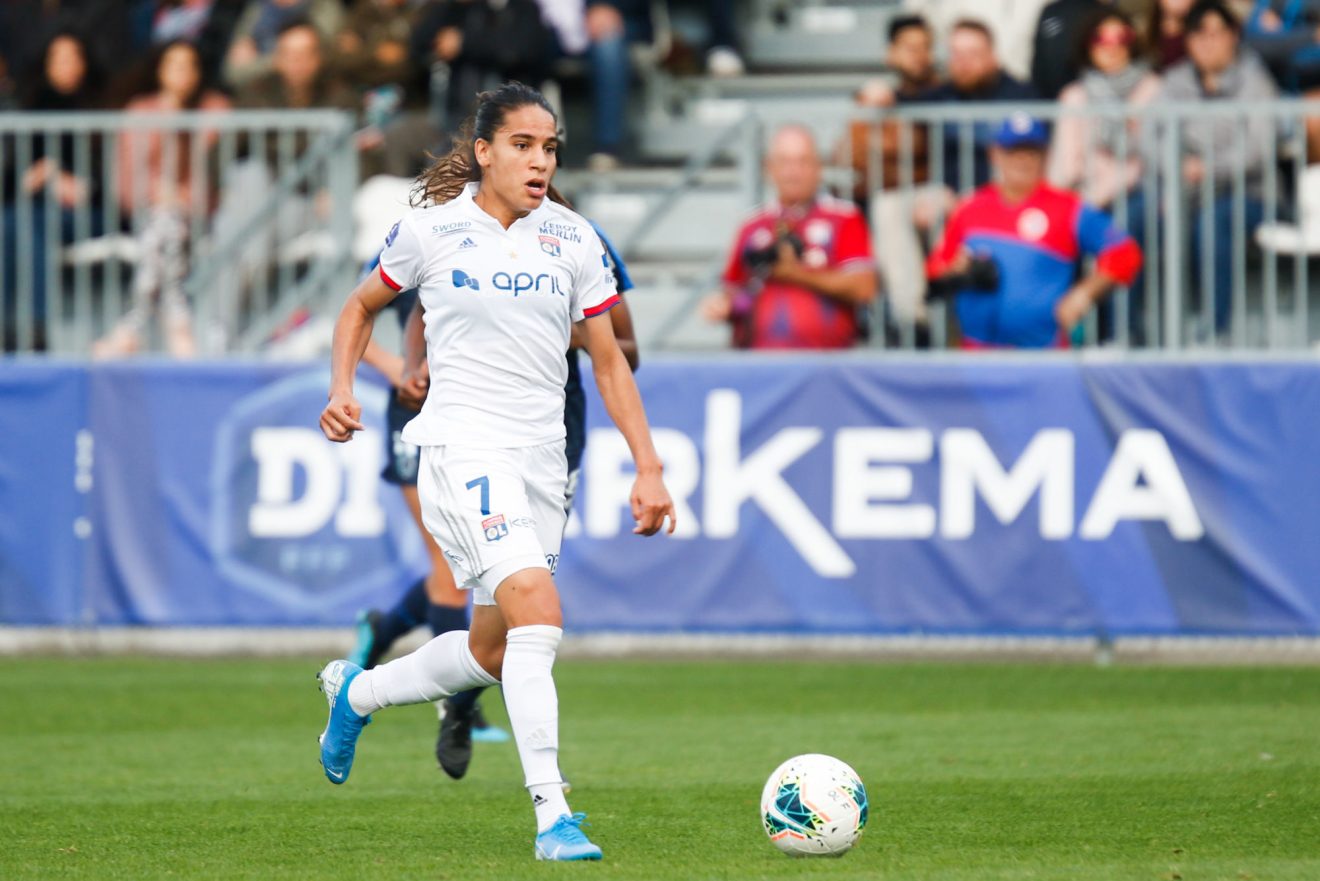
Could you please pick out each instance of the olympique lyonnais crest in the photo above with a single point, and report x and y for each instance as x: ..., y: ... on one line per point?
x: 550, y: 245
x: 495, y: 527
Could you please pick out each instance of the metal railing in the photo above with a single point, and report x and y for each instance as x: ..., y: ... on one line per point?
x: 1226, y: 254
x: 202, y: 231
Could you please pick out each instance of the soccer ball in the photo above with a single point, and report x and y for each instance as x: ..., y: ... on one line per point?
x: 814, y: 805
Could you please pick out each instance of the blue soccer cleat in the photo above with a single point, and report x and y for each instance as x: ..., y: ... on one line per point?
x: 339, y: 740
x: 564, y: 841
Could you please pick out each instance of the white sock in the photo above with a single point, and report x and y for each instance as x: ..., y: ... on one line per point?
x: 529, y: 695
x: 442, y: 667
x: 549, y: 803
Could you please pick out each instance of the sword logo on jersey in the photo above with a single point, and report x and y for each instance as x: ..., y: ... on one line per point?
x: 494, y: 527
x: 550, y: 245
x: 463, y: 280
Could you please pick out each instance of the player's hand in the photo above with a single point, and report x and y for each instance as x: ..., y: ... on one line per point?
x: 1072, y: 309
x: 341, y: 416
x: 413, y: 388
x: 651, y: 504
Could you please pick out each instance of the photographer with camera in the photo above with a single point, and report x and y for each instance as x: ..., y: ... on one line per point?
x: 1011, y: 253
x: 801, y: 268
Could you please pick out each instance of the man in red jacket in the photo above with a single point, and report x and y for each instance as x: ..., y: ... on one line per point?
x: 801, y: 266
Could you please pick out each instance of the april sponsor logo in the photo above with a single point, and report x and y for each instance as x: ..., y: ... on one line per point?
x: 526, y: 283
x: 448, y: 229
x: 874, y: 475
x: 295, y: 518
x: 564, y: 231
x: 516, y: 283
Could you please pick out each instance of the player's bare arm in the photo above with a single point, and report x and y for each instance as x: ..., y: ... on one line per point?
x: 651, y: 503
x: 416, y: 372
x: 624, y: 334
x: 342, y: 416
x: 388, y: 363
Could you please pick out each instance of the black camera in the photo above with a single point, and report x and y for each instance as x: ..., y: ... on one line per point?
x: 980, y: 277
x: 761, y: 260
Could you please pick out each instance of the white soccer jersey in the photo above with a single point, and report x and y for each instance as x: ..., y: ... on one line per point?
x: 499, y: 307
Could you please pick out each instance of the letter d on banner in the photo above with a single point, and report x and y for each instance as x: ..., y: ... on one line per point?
x: 277, y: 514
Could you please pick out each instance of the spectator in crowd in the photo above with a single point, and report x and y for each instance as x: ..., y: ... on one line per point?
x: 27, y: 26
x: 614, y: 25
x: 157, y: 189
x: 911, y: 59
x: 975, y: 76
x: 901, y: 219
x: 800, y: 269
x: 1055, y: 60
x: 1286, y: 34
x: 1086, y: 150
x: 1011, y: 24
x: 207, y: 24
x: 1166, y: 32
x: 478, y: 44
x: 1009, y: 253
x: 251, y: 52
x: 374, y: 56
x: 299, y: 78
x: 1215, y: 150
x: 50, y: 179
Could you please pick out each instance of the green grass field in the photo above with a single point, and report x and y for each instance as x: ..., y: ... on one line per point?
x: 144, y: 769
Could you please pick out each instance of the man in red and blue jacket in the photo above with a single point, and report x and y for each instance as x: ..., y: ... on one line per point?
x: 1010, y: 252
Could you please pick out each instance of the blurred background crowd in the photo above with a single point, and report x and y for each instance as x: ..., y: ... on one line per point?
x: 406, y: 71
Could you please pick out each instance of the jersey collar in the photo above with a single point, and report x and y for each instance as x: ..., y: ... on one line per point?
x: 468, y: 204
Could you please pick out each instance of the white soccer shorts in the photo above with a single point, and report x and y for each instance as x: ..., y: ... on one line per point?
x: 494, y: 512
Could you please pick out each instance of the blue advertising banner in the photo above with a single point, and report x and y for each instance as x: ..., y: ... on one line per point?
x: 815, y: 495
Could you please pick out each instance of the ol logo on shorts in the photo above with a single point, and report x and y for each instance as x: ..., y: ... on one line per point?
x: 494, y: 527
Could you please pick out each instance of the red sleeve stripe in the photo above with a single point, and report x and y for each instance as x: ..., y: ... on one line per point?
x: 385, y: 277
x: 601, y: 307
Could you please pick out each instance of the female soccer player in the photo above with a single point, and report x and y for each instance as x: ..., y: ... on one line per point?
x: 503, y: 274
x: 462, y: 721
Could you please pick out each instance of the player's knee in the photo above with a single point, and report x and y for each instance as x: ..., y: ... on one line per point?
x: 490, y: 655
x: 529, y: 597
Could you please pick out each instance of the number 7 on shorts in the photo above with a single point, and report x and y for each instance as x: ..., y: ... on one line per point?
x: 484, y: 482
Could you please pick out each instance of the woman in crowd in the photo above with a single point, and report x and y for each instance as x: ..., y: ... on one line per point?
x: 157, y: 189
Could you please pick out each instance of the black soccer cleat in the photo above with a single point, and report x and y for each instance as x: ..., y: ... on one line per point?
x: 453, y: 748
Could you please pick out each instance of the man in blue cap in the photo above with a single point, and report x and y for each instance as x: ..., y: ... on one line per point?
x: 1010, y: 254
